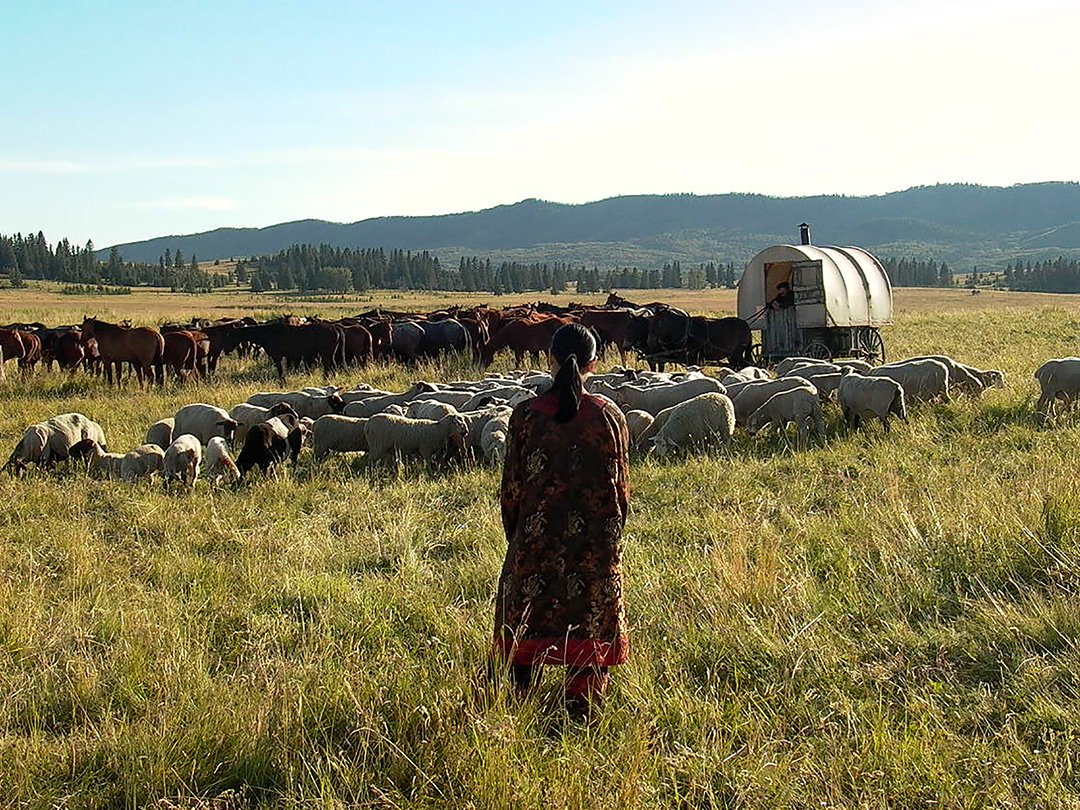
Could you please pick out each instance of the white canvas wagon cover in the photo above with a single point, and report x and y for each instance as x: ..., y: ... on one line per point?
x: 833, y: 286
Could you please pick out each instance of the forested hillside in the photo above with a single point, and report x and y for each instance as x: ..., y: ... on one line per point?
x: 962, y: 225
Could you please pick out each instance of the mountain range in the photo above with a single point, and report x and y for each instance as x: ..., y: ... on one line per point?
x: 962, y: 224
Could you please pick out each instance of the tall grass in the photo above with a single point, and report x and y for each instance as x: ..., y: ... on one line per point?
x: 876, y: 621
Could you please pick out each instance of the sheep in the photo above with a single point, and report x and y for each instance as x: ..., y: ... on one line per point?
x: 245, y: 414
x: 826, y: 384
x: 989, y: 378
x: 1058, y: 379
x: 861, y: 366
x: 182, y: 460
x: 99, y: 462
x: 161, y: 432
x: 360, y: 394
x: 265, y: 448
x: 785, y: 366
x: 429, y: 409
x: 701, y: 422
x: 960, y: 377
x: 50, y: 441
x: 511, y: 395
x: 204, y: 422
x: 807, y: 369
x: 921, y: 379
x: 387, y: 434
x: 798, y: 405
x: 304, y: 403
x: 219, y: 462
x: 338, y: 434
x: 142, y: 462
x: 493, y: 441
x: 637, y: 422
x: 656, y: 398
x: 754, y: 395
x: 861, y: 396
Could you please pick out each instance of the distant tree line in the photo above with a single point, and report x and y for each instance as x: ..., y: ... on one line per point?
x: 326, y: 268
x: 1060, y: 275
x: 32, y: 257
x: 917, y: 273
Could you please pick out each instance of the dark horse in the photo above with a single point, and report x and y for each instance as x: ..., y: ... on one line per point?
x: 141, y: 346
x: 310, y: 343
x: 672, y: 336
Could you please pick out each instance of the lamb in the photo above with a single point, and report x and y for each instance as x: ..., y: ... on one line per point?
x: 142, y: 462
x: 99, y: 462
x: 1058, y: 379
x: 798, y: 405
x: 302, y: 402
x: 338, y: 434
x: 654, y: 399
x: 387, y: 434
x: 637, y: 422
x: 921, y: 379
x: 161, y: 432
x: 265, y: 447
x: 182, y: 460
x: 204, y: 422
x: 50, y: 441
x: 754, y: 395
x: 219, y: 462
x: 702, y: 422
x: 861, y: 396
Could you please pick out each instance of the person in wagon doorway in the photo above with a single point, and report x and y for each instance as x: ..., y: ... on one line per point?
x: 564, y: 497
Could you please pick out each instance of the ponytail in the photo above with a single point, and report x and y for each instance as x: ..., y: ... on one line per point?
x: 569, y: 389
x: 573, y: 347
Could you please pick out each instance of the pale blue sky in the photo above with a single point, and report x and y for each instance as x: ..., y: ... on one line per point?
x: 125, y: 120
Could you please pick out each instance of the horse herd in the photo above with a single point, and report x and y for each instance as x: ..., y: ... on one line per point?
x: 656, y: 332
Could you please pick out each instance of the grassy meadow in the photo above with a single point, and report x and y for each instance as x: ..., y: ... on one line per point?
x: 877, y: 621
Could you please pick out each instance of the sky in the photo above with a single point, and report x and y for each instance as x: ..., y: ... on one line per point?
x: 127, y: 120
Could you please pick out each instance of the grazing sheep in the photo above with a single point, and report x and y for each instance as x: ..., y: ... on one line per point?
x: 922, y: 380
x: 245, y: 414
x: 990, y: 378
x: 493, y: 442
x: 204, y: 422
x: 860, y: 366
x: 99, y: 462
x: 142, y: 462
x: 182, y: 460
x: 161, y: 432
x: 429, y: 409
x: 701, y: 422
x: 654, y: 399
x: 960, y: 376
x: 798, y: 405
x: 266, y: 448
x: 785, y: 366
x: 50, y: 441
x: 302, y: 402
x: 1058, y: 379
x: 826, y: 384
x: 219, y: 462
x: 637, y: 422
x: 338, y: 434
x: 806, y: 370
x: 754, y: 395
x: 511, y: 395
x: 387, y: 435
x: 861, y: 396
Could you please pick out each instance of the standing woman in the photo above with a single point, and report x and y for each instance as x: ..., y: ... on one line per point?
x: 565, y: 489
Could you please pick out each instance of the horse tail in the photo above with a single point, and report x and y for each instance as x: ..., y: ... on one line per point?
x: 159, y: 360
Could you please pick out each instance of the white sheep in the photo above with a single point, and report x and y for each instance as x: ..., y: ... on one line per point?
x: 219, y: 462
x: 303, y: 402
x: 922, y: 380
x: 961, y: 377
x: 338, y: 434
x: 753, y: 395
x: 637, y: 422
x: 142, y: 462
x: 1058, y: 379
x: 429, y: 409
x: 861, y: 397
x: 182, y: 460
x: 990, y: 378
x: 247, y: 415
x: 50, y: 441
x: 656, y: 398
x: 204, y: 422
x: 388, y: 434
x: 798, y: 405
x: 702, y: 422
x: 100, y: 462
x: 161, y: 432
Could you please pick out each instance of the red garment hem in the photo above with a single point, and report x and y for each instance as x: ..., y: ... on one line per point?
x: 572, y: 652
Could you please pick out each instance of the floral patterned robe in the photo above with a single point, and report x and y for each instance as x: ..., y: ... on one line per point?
x: 565, y: 489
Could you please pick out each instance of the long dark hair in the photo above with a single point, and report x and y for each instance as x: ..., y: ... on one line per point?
x: 573, y: 347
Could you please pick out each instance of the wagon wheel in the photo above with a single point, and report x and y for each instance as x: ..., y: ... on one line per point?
x: 872, y: 345
x: 818, y: 350
x: 757, y: 354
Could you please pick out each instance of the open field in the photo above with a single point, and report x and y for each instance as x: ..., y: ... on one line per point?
x: 876, y: 621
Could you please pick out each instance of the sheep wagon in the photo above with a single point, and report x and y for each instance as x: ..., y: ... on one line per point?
x: 839, y: 298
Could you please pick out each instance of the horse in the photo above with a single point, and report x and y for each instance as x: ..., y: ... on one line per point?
x: 524, y: 336
x: 141, y: 346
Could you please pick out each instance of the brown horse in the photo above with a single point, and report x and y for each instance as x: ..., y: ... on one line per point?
x: 142, y: 346
x: 530, y: 335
